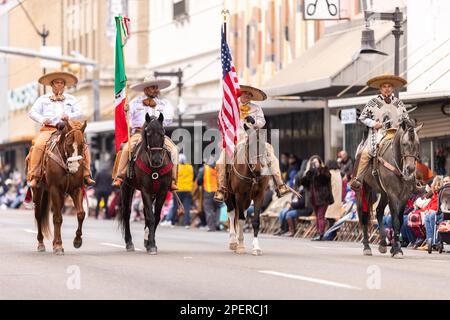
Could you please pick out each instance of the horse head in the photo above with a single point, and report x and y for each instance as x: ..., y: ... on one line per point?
x: 153, y: 136
x: 73, y: 142
x: 409, y: 147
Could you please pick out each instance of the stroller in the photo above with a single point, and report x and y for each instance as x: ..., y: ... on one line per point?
x: 442, y: 229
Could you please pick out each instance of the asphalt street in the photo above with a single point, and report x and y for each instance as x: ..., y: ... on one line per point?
x: 197, y: 265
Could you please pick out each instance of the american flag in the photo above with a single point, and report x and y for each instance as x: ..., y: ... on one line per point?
x: 229, y: 115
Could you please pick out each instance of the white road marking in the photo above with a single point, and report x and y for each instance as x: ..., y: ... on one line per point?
x: 30, y: 231
x: 116, y: 246
x: 308, y: 279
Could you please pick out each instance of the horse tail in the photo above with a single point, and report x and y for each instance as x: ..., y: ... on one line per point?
x: 44, y: 215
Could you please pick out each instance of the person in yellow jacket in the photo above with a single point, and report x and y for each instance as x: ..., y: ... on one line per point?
x: 185, y: 187
x: 208, y: 179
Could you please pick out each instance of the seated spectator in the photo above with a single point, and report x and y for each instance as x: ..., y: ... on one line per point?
x: 268, y: 195
x: 423, y: 206
x: 288, y: 216
x: 431, y: 213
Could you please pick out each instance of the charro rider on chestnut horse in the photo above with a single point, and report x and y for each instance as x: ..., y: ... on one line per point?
x: 252, y: 116
x: 49, y: 110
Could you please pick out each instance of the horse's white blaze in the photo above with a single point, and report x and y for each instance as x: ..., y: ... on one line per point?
x: 72, y: 162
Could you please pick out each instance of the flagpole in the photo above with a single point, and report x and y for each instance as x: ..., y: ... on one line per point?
x: 225, y: 15
x: 126, y: 107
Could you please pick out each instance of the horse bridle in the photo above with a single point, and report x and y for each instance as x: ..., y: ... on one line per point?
x: 404, y: 156
x: 70, y: 160
x: 150, y: 150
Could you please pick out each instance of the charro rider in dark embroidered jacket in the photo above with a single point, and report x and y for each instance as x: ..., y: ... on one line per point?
x: 381, y: 113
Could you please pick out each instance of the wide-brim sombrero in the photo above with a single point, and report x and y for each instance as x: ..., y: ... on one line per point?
x: 257, y: 94
x: 395, y: 81
x: 150, y: 82
x: 68, y: 78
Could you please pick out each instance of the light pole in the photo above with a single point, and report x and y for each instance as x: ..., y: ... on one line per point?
x: 179, y: 75
x: 397, y: 18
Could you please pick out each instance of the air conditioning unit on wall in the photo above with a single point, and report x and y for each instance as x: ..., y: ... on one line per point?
x: 180, y: 10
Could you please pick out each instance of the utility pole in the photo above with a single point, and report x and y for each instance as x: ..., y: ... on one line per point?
x: 44, y: 34
x: 179, y: 75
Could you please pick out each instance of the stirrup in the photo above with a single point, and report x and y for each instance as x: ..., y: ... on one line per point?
x: 355, y: 184
x: 117, y: 183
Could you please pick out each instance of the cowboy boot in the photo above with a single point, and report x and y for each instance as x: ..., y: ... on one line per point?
x: 122, y: 164
x: 364, y: 161
x: 282, y: 189
x: 89, y: 181
x: 219, y: 196
x: 35, y: 167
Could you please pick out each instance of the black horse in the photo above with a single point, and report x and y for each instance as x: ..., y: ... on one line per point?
x: 150, y: 172
x: 395, y: 180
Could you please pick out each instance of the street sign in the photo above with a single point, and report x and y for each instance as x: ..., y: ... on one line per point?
x: 348, y: 116
x: 321, y: 9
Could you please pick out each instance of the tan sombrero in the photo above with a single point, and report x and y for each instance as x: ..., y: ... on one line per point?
x: 395, y: 81
x: 68, y: 78
x: 151, y: 81
x: 257, y: 94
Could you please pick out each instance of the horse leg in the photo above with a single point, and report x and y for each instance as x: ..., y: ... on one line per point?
x: 38, y: 211
x: 382, y: 248
x: 364, y: 220
x: 149, y: 222
x: 77, y: 197
x: 232, y: 221
x: 159, y: 203
x: 57, y: 200
x: 255, y: 223
x: 396, y: 250
x: 241, y: 247
x: 126, y: 199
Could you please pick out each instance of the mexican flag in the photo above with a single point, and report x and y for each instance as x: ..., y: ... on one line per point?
x: 120, y: 82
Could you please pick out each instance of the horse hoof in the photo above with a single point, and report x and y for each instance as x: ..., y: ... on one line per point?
x: 382, y: 249
x: 58, y: 252
x: 367, y: 252
x: 398, y: 254
x: 152, y: 251
x: 240, y: 250
x: 41, y: 248
x: 233, y: 246
x: 257, y: 252
x: 130, y: 247
x: 77, y: 243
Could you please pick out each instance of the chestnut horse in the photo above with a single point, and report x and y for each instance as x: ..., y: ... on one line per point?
x: 246, y: 182
x: 63, y: 175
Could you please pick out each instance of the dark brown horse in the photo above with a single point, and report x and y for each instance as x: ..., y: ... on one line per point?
x: 150, y: 172
x: 395, y: 182
x: 63, y: 175
x: 246, y: 182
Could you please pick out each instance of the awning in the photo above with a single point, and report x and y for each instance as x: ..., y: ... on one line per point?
x: 327, y: 68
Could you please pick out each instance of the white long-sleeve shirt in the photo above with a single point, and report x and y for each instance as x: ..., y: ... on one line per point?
x: 44, y: 109
x: 256, y: 112
x: 138, y: 111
